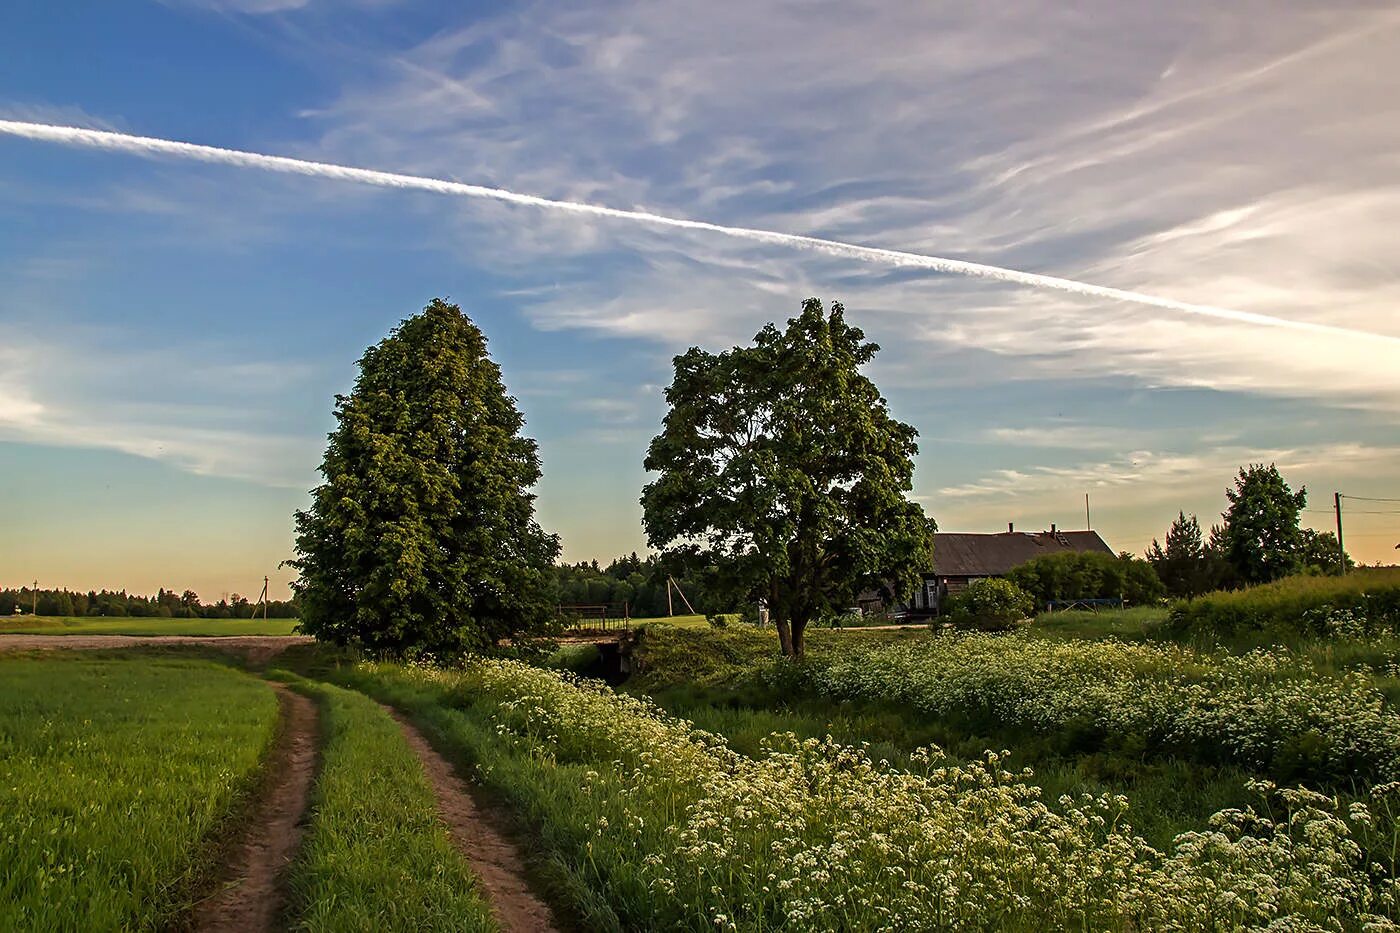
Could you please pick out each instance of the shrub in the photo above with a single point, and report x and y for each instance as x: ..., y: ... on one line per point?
x: 1088, y: 576
x: 991, y: 604
x: 1298, y: 605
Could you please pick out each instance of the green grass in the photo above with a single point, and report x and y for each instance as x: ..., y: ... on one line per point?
x: 573, y: 658
x: 1136, y: 624
x: 376, y: 856
x: 1299, y: 606
x: 115, y: 778
x: 94, y: 625
x: 650, y: 825
x: 671, y: 656
x: 686, y: 621
x: 553, y: 801
x: 1167, y: 797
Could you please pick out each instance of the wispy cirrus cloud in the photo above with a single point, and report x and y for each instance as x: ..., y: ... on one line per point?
x: 211, y: 437
x: 1165, y: 475
x: 1153, y: 146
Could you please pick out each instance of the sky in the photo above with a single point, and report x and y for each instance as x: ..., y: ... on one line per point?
x: 172, y: 333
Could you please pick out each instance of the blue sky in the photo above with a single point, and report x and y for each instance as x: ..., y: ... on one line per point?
x: 171, y: 333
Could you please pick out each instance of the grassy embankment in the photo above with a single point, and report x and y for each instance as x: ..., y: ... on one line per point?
x: 648, y: 823
x: 730, y: 683
x: 94, y: 625
x: 116, y: 777
x: 1094, y: 702
x: 376, y: 856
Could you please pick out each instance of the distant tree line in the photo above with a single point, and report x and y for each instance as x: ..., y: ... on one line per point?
x: 1260, y: 539
x: 166, y: 604
x: 637, y: 584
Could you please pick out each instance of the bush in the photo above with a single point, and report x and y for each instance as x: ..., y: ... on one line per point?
x: 992, y: 604
x: 1089, y: 575
x: 1367, y: 601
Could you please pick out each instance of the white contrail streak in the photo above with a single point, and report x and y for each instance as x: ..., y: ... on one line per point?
x: 149, y: 146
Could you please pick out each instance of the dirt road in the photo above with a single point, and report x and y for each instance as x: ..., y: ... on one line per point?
x: 480, y: 835
x: 252, y: 886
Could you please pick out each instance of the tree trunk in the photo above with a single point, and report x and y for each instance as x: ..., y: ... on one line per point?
x: 798, y: 640
x: 785, y: 636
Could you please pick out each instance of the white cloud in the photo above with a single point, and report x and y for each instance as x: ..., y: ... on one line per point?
x: 250, y: 7
x: 17, y: 408
x: 38, y: 405
x: 1193, y: 151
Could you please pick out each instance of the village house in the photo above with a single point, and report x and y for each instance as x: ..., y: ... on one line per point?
x: 959, y: 558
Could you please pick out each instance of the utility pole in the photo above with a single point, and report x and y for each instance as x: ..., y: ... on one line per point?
x: 1341, y: 550
x: 670, y: 610
x: 1088, y: 526
x: 672, y: 581
x: 34, y: 600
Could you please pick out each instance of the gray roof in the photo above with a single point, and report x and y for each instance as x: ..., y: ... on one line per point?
x: 979, y: 555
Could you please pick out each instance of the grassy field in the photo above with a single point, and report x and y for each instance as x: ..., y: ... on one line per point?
x: 1107, y: 771
x: 686, y: 621
x: 92, y: 625
x: 115, y: 775
x: 1136, y: 624
x: 1167, y: 797
x: 376, y: 857
x: 653, y: 824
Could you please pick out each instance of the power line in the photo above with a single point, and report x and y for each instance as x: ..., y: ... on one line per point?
x: 1370, y: 499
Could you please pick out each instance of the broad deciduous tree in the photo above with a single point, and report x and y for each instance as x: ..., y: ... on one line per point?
x: 780, y: 465
x: 1322, y: 554
x: 1262, y: 537
x: 422, y: 536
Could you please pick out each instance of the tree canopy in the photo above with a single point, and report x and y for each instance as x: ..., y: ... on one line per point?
x: 1262, y: 538
x: 781, y: 466
x: 637, y: 585
x: 422, y: 537
x: 1187, y: 566
x: 1088, y: 575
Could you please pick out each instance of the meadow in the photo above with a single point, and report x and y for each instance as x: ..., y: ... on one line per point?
x: 96, y: 625
x: 116, y: 779
x: 651, y: 822
x: 1105, y: 771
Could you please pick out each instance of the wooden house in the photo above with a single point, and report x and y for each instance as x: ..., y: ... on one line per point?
x: 959, y: 558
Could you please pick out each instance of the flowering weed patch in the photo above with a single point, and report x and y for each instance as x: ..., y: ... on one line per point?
x: 1269, y: 711
x: 663, y: 825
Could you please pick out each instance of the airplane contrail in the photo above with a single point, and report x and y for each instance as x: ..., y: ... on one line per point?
x: 151, y: 146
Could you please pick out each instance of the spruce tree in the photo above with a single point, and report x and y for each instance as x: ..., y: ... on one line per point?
x: 1182, y: 564
x: 422, y: 537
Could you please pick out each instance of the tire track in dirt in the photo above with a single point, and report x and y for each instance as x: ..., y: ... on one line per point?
x: 252, y: 891
x: 481, y: 837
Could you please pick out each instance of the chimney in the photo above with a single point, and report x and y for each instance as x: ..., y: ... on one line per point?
x: 1010, y: 527
x: 1052, y: 528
